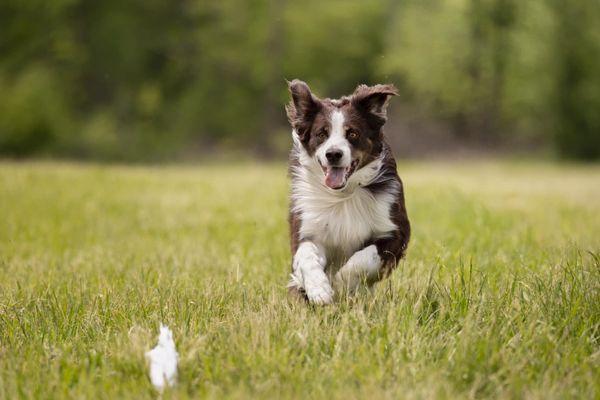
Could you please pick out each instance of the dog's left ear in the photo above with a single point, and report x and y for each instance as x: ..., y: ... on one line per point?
x: 374, y: 99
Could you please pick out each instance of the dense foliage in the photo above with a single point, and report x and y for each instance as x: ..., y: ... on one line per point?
x: 154, y: 79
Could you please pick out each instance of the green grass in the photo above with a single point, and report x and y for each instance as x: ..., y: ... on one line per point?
x: 499, y: 295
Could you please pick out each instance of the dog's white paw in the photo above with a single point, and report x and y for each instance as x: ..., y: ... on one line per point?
x: 363, y: 265
x: 318, y: 291
x: 346, y: 281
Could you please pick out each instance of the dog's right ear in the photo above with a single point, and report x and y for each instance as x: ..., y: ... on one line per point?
x: 302, y: 109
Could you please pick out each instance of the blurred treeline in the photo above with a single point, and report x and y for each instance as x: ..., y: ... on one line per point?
x: 150, y: 79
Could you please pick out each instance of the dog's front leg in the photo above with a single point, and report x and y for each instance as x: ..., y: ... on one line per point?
x: 309, y: 273
x: 363, y: 266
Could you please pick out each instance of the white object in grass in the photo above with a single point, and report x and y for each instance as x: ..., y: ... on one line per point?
x: 163, y: 360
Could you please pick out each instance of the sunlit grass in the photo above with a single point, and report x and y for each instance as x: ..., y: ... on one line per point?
x: 499, y: 295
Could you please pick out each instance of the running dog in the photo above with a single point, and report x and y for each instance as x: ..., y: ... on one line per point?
x: 348, y: 221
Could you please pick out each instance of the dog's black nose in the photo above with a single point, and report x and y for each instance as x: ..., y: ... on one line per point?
x: 334, y: 155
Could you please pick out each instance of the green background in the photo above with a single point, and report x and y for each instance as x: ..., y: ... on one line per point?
x: 163, y: 80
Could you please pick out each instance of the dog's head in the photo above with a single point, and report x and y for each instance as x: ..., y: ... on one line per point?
x: 343, y: 135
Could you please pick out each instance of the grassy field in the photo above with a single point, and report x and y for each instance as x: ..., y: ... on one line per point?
x: 499, y: 296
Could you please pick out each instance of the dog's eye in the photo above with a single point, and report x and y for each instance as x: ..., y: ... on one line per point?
x: 352, y: 134
x: 322, y: 134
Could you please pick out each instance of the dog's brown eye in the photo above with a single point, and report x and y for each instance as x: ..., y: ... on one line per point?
x: 322, y: 134
x: 352, y: 134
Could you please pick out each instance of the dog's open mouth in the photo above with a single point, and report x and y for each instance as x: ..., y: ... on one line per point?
x: 337, y: 177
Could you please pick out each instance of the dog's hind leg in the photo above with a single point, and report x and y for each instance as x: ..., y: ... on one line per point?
x: 308, y: 275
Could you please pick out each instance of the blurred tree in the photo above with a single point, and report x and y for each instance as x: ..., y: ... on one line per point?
x: 153, y: 79
x: 577, y: 90
x: 34, y: 113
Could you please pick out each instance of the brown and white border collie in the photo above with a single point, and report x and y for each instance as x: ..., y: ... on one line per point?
x: 347, y: 218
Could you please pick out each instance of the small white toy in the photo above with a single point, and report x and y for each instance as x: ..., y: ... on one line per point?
x: 163, y: 360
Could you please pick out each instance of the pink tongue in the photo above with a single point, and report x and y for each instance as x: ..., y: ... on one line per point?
x: 334, y: 178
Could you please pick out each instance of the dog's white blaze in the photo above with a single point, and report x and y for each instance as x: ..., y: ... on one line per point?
x: 336, y: 140
x: 363, y: 264
x: 309, y: 273
x: 340, y: 219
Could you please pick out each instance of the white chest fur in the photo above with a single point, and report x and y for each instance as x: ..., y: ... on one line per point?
x: 341, y: 221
